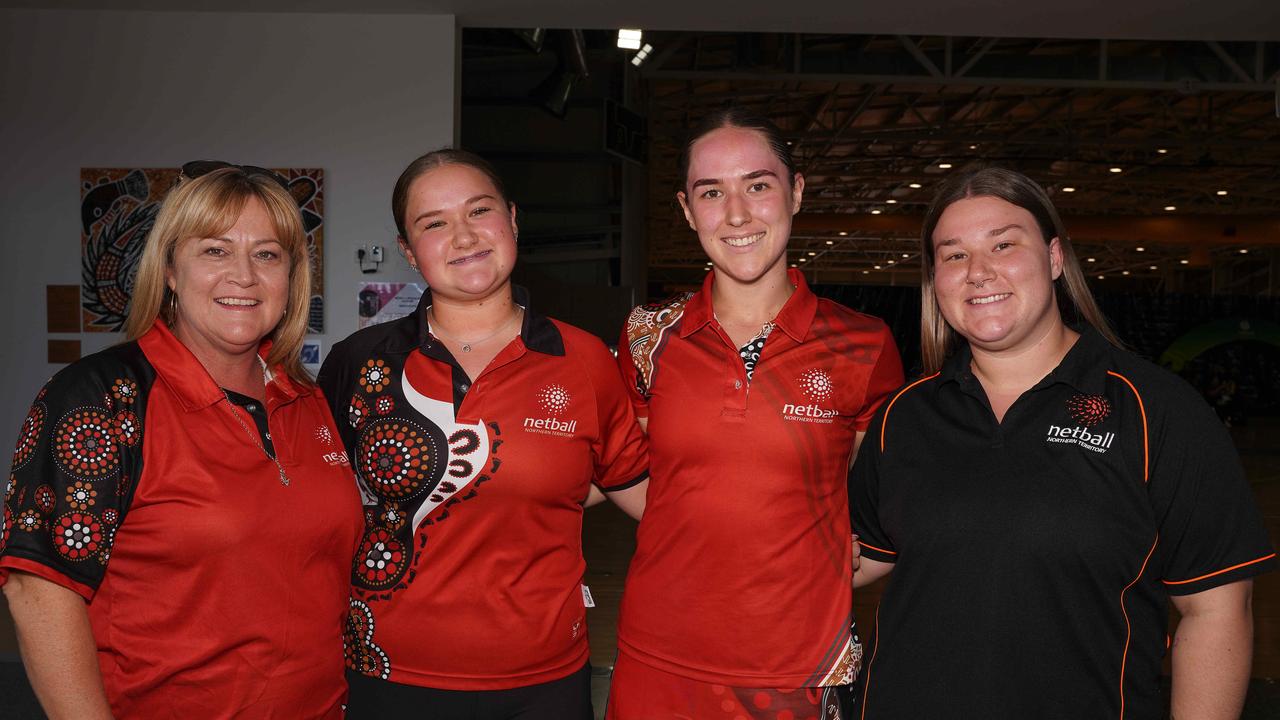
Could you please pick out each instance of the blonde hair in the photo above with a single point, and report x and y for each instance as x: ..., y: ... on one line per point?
x: 206, y: 207
x: 1075, y: 302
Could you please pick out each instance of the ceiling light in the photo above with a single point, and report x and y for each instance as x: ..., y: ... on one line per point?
x: 629, y: 39
x: 1101, y: 276
x: 866, y: 272
x: 804, y: 259
x: 831, y: 242
x: 641, y: 54
x: 875, y: 212
x: 1162, y: 151
x: 944, y: 166
x: 1140, y: 249
x: 1091, y: 259
x: 1117, y: 169
x: 1153, y: 267
x: 812, y: 254
x: 1068, y: 189
x: 1184, y: 262
x: 891, y: 201
x: 892, y: 262
x: 973, y: 147
x: 877, y: 267
x: 905, y: 255
x: 793, y: 264
x: 915, y: 186
x: 1222, y: 192
x: 842, y: 233
x: 1244, y: 251
x: 1170, y: 208
x: 1126, y: 272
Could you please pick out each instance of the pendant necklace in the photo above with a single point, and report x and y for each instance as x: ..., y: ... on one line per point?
x: 466, y: 346
x: 253, y: 436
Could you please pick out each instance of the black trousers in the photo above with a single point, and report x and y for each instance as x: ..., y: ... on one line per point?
x: 568, y: 698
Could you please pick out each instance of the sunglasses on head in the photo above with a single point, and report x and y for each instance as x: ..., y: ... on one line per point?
x: 196, y: 168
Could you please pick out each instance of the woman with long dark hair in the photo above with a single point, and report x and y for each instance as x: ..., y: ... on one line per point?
x: 755, y: 393
x: 477, y: 428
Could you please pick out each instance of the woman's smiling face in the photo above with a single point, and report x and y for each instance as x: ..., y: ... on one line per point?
x: 994, y: 273
x: 461, y: 232
x: 738, y: 199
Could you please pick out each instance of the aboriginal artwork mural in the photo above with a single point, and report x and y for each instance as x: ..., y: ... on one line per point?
x: 413, y: 461
x: 118, y: 207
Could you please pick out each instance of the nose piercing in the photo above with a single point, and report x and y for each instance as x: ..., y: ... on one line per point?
x: 979, y: 283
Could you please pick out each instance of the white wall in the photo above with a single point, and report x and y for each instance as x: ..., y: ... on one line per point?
x: 357, y: 95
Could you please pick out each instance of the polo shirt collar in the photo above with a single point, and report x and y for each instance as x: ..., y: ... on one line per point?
x: 537, y: 332
x: 1083, y: 367
x: 795, y: 318
x: 182, y: 372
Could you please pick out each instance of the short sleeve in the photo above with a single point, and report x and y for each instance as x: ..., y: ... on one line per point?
x: 864, y: 498
x: 1211, y: 531
x: 78, y: 455
x: 622, y: 450
x: 886, y: 376
x: 631, y: 377
x: 334, y: 381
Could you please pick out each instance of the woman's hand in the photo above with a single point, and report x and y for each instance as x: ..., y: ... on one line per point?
x: 57, y: 647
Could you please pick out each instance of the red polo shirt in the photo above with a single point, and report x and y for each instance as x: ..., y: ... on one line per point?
x: 742, y: 571
x: 213, y: 589
x: 470, y: 574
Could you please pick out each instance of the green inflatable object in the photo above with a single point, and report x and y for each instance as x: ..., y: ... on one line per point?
x: 1216, y: 333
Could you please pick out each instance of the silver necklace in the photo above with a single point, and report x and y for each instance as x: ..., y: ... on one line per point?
x: 466, y: 346
x: 253, y: 436
x: 765, y: 329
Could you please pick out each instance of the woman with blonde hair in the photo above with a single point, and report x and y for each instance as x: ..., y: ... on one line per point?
x: 180, y: 521
x: 1042, y: 495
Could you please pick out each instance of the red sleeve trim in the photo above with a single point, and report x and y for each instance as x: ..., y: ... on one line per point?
x: 1219, y: 572
x: 40, y: 570
x: 873, y: 547
x: 885, y: 423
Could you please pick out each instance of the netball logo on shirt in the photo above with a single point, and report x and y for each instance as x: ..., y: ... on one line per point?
x: 817, y: 388
x: 1088, y: 411
x: 553, y: 400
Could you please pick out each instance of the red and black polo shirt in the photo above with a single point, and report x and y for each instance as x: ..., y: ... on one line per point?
x: 213, y: 589
x: 1034, y: 557
x: 469, y: 577
x: 742, y: 571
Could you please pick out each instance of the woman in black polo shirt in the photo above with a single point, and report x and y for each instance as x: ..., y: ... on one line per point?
x: 1041, y: 494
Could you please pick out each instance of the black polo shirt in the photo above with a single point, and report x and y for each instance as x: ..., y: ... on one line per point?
x: 1034, y: 557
